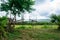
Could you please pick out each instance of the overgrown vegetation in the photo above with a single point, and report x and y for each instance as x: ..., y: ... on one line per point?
x: 3, y: 26
x: 37, y: 32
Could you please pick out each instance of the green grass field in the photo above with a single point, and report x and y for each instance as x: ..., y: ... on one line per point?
x: 35, y: 32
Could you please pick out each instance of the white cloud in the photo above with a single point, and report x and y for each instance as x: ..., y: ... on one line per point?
x: 49, y: 6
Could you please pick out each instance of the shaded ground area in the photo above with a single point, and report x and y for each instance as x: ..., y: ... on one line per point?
x: 22, y: 33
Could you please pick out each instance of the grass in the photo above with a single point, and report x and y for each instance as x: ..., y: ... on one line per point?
x: 35, y: 32
x: 38, y: 26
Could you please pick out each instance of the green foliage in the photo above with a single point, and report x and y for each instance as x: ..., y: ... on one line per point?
x: 56, y: 19
x: 45, y: 26
x: 22, y: 27
x: 3, y: 23
x: 17, y: 6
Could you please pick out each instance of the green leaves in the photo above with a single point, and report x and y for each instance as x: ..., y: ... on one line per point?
x: 3, y: 21
x: 55, y: 18
x: 17, y: 6
x: 4, y: 7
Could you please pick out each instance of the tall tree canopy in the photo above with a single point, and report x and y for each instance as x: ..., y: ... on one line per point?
x: 17, y: 6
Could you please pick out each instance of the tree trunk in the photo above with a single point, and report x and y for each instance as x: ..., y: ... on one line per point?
x: 14, y: 20
x: 9, y: 27
x: 22, y: 18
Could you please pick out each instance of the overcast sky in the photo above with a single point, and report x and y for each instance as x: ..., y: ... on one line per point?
x: 44, y: 8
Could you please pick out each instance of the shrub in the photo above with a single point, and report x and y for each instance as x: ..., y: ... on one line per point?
x: 3, y: 23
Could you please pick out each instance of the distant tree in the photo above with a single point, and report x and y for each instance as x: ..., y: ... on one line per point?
x: 55, y: 19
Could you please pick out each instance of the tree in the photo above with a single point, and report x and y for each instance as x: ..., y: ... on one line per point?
x: 16, y: 7
x: 55, y: 19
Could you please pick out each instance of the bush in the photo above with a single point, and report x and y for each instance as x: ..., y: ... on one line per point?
x: 22, y: 27
x: 3, y: 23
